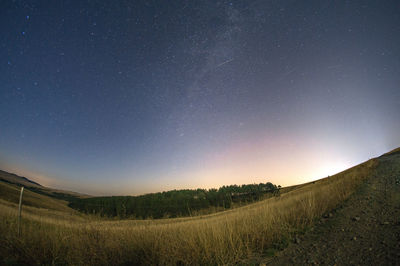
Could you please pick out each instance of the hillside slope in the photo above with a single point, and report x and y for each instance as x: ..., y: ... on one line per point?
x: 17, y: 180
x: 10, y: 193
x: 364, y: 231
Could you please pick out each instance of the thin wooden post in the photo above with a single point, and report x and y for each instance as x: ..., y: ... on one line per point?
x: 19, y: 211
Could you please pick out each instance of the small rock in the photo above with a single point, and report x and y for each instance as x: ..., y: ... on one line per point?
x: 330, y: 215
x: 354, y: 238
x: 342, y: 229
x: 356, y: 218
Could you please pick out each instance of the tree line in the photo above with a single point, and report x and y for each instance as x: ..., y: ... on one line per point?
x: 174, y: 203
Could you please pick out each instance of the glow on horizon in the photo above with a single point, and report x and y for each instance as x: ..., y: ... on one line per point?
x: 282, y: 162
x: 279, y: 174
x: 256, y: 156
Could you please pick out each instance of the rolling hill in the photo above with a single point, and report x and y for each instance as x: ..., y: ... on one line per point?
x: 17, y: 180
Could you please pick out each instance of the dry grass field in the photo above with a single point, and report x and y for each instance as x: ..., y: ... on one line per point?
x: 52, y: 233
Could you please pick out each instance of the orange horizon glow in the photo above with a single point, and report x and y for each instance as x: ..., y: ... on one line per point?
x: 245, y: 163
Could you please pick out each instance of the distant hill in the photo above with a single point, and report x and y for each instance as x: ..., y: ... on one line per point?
x: 11, y: 192
x: 18, y: 180
x: 38, y: 188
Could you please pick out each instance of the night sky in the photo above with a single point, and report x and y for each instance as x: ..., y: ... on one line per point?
x: 131, y: 97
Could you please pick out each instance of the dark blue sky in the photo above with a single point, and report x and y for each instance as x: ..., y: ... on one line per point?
x: 130, y: 97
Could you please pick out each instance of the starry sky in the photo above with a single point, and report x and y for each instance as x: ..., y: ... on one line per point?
x: 131, y: 97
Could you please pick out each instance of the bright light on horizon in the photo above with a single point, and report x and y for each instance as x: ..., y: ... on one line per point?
x: 284, y: 173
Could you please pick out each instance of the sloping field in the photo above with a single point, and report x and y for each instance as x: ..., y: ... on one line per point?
x: 16, y: 181
x: 364, y: 231
x: 230, y: 237
x: 11, y: 192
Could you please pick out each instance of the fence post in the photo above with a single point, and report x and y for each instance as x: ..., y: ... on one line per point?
x: 19, y: 211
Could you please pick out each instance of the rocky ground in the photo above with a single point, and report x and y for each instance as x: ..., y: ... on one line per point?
x: 364, y: 231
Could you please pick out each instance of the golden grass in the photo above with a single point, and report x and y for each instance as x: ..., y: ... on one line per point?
x: 53, y: 237
x: 10, y: 192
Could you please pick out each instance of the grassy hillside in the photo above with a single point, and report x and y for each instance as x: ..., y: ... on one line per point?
x: 11, y: 192
x: 14, y: 179
x: 392, y: 152
x: 222, y: 238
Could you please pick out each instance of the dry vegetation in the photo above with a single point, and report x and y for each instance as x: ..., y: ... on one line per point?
x: 10, y: 193
x: 64, y: 237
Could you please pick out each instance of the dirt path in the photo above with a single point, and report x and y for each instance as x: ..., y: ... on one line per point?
x: 364, y: 231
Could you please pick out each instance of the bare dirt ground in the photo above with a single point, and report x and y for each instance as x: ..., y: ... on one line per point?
x: 365, y: 230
